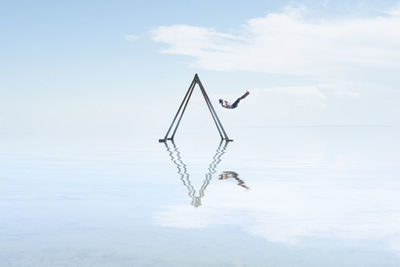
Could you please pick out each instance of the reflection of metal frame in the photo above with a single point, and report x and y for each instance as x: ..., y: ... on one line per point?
x: 176, y: 158
x: 184, y: 103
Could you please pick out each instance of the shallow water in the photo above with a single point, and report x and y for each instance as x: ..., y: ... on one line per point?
x: 312, y: 196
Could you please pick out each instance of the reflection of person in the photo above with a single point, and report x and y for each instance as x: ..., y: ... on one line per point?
x: 231, y: 174
x: 226, y: 104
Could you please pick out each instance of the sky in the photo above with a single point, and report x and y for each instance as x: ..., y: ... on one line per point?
x: 120, y: 66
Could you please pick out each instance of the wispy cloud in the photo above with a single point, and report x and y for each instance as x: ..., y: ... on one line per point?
x: 194, y: 41
x: 349, y: 65
x: 287, y: 43
x: 394, y: 11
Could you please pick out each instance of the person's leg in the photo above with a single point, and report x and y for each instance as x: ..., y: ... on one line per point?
x: 243, y: 96
x: 236, y: 103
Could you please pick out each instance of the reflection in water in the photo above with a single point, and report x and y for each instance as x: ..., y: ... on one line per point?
x: 231, y: 174
x: 176, y: 158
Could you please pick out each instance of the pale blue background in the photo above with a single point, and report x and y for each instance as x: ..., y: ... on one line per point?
x: 86, y: 91
x: 67, y: 65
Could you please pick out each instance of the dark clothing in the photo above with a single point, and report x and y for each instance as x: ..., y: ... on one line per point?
x: 225, y: 104
x: 235, y: 104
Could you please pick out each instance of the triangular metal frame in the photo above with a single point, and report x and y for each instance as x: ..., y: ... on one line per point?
x: 182, y: 109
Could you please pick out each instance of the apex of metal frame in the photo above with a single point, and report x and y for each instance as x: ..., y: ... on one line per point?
x: 182, y: 108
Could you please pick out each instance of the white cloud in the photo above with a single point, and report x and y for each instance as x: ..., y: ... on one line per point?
x: 286, y: 43
x: 193, y: 41
x: 349, y: 65
x: 394, y: 11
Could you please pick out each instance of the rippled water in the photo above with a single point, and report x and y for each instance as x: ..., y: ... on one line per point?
x: 316, y: 196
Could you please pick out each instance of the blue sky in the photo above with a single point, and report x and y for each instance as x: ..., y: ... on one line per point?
x: 305, y: 62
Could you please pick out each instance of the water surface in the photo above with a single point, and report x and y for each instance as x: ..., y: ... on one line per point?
x: 311, y: 196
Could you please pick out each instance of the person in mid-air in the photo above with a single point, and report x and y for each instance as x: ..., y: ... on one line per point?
x: 226, y: 104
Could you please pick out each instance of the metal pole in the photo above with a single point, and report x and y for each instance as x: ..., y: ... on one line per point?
x: 183, y: 111
x: 212, y: 114
x: 179, y: 109
x: 184, y: 104
x: 219, y: 122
